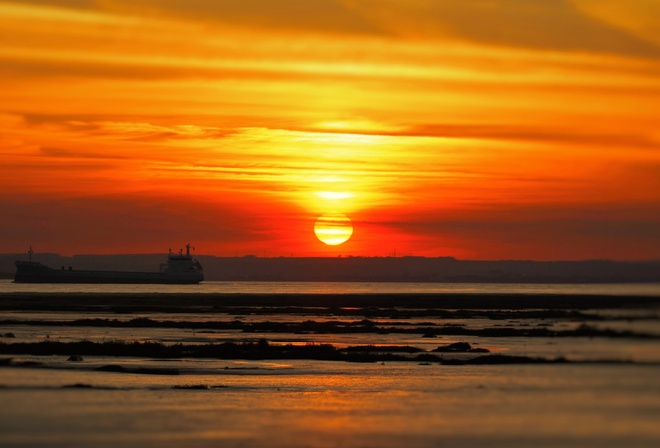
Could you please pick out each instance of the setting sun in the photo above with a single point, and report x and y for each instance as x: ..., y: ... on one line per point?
x: 333, y: 228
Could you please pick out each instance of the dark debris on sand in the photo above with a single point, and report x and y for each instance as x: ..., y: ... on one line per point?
x: 364, y: 326
x: 259, y: 350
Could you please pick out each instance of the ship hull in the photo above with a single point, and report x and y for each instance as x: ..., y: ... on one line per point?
x: 28, y: 272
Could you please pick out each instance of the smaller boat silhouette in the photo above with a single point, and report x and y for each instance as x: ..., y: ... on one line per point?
x: 179, y: 269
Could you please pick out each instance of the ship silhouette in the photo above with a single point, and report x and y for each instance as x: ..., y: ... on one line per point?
x: 180, y: 268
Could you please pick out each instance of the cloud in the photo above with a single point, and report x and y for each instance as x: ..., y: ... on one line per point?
x: 111, y: 224
x: 324, y: 16
x: 541, y: 24
x: 77, y: 4
x: 639, y: 17
x: 77, y: 154
x: 598, y: 26
x: 526, y: 133
x: 615, y: 231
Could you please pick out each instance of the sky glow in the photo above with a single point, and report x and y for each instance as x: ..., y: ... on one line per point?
x: 485, y: 130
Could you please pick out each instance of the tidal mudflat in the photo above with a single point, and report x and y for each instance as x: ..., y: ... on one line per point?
x: 356, y: 370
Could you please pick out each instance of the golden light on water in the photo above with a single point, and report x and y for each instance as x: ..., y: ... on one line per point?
x: 333, y: 228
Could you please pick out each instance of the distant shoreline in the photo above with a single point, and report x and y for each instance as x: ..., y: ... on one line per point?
x: 369, y: 269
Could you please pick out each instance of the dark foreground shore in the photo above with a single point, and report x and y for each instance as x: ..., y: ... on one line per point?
x: 370, y: 318
x: 172, y: 302
x: 354, y: 370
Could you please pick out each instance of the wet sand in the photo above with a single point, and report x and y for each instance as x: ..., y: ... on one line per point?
x: 320, y: 370
x: 369, y: 315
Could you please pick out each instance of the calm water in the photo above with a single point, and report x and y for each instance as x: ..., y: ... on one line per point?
x: 642, y: 289
x: 303, y: 403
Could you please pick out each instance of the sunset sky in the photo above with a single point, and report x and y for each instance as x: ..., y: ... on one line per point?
x: 480, y: 129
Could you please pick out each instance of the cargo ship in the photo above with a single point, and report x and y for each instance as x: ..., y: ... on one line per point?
x: 180, y: 269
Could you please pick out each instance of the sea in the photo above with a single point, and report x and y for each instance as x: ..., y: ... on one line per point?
x: 572, y: 377
x: 215, y: 287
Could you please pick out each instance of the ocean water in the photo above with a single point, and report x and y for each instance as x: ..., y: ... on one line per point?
x: 211, y: 287
x: 607, y: 395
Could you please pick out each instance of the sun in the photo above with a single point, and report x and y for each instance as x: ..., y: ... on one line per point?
x: 333, y: 228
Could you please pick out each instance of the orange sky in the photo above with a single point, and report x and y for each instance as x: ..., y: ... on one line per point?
x: 505, y: 129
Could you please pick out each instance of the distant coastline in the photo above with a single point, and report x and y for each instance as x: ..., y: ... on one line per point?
x: 370, y: 269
